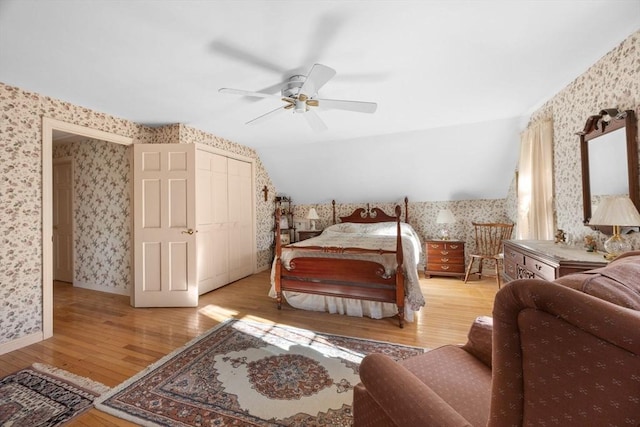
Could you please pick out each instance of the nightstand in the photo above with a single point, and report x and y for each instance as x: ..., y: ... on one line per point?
x: 444, y: 258
x: 307, y: 234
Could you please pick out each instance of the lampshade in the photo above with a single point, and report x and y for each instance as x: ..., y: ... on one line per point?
x: 618, y: 211
x: 312, y: 214
x: 445, y: 216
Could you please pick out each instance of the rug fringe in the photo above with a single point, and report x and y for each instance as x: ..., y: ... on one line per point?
x: 86, y: 383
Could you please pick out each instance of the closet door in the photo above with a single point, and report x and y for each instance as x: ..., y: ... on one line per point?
x: 240, y: 219
x: 213, y: 222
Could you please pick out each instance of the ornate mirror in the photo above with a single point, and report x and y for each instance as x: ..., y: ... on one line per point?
x: 609, y: 152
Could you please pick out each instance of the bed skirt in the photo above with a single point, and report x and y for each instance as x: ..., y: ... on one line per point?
x: 348, y: 306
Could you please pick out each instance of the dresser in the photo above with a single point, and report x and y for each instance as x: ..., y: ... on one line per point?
x: 544, y: 259
x: 444, y: 258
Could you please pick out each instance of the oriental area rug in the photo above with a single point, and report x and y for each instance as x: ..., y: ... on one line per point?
x: 250, y: 374
x: 43, y: 395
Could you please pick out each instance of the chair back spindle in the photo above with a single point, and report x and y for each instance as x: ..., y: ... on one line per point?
x: 489, y: 237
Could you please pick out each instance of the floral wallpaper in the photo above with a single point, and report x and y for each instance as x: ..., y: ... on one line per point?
x: 102, y: 214
x: 21, y: 115
x: 612, y: 82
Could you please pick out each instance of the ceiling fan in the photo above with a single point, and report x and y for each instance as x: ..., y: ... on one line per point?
x: 299, y: 94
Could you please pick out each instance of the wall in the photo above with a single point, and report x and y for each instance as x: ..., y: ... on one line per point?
x: 614, y: 81
x: 101, y: 214
x: 21, y: 115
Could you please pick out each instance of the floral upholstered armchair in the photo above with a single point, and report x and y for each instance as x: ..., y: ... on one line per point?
x: 563, y: 353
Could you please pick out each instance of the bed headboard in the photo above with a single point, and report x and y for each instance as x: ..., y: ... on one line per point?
x: 368, y: 215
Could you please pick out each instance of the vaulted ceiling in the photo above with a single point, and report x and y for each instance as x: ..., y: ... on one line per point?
x: 455, y: 81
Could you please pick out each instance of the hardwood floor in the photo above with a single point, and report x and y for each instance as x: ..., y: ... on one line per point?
x: 100, y: 336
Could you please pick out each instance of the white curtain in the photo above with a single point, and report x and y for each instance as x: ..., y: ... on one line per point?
x: 535, y: 183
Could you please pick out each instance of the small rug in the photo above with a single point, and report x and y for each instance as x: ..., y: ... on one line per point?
x: 43, y: 395
x: 250, y: 374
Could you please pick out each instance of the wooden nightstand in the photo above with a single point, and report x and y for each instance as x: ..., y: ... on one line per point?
x: 307, y: 234
x: 444, y: 258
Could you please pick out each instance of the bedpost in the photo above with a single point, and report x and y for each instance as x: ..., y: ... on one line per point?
x: 406, y: 210
x: 399, y: 268
x: 333, y: 204
x: 277, y: 257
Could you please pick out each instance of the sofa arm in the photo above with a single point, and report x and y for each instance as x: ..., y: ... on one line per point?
x: 551, y: 342
x: 479, y: 340
x: 403, y: 397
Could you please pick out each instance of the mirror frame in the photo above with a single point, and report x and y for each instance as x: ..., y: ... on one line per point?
x: 596, y: 127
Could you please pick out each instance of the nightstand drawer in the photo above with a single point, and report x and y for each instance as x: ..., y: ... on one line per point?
x: 446, y: 259
x: 441, y: 249
x: 434, y: 268
x: 447, y: 253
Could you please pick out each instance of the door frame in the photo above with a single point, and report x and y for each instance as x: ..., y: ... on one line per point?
x: 50, y: 125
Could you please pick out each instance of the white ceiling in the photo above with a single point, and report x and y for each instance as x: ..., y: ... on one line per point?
x: 430, y: 65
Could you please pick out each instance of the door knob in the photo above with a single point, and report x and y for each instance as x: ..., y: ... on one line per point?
x: 189, y: 231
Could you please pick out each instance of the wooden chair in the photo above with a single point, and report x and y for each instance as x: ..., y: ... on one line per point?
x: 489, y: 237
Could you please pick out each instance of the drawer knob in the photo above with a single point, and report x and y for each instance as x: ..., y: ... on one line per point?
x: 444, y: 259
x: 435, y: 245
x: 538, y: 267
x: 453, y: 246
x: 444, y: 267
x: 444, y: 252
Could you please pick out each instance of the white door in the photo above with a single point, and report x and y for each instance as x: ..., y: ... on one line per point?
x: 213, y: 260
x: 220, y: 217
x: 63, y: 220
x: 240, y: 219
x: 164, y: 179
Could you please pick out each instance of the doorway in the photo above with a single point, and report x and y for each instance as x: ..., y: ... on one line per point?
x: 63, y: 219
x: 49, y: 128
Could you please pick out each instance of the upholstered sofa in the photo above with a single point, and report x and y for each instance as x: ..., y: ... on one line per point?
x: 562, y: 353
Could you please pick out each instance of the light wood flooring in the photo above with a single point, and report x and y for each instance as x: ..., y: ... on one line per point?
x: 100, y: 336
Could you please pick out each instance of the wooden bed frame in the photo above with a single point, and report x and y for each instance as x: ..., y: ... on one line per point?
x: 346, y: 278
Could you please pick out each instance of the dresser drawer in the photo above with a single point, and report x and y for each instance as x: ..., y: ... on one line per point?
x: 510, y: 269
x: 540, y: 269
x: 512, y: 255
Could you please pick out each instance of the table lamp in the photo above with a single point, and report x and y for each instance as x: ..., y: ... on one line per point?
x: 445, y: 216
x: 313, y: 216
x: 618, y: 212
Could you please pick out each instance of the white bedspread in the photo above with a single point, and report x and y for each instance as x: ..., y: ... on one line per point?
x: 367, y: 236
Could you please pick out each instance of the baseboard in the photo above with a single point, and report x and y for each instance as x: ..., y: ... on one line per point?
x: 21, y: 342
x: 261, y: 269
x: 94, y: 287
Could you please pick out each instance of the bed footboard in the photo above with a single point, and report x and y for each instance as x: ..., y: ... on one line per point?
x: 344, y: 278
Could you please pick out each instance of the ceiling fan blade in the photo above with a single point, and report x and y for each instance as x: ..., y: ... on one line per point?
x: 248, y: 93
x: 358, y: 106
x: 314, y: 120
x: 266, y: 116
x: 238, y: 53
x: 318, y: 77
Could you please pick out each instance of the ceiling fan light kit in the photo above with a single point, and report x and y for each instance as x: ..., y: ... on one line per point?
x: 299, y: 94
